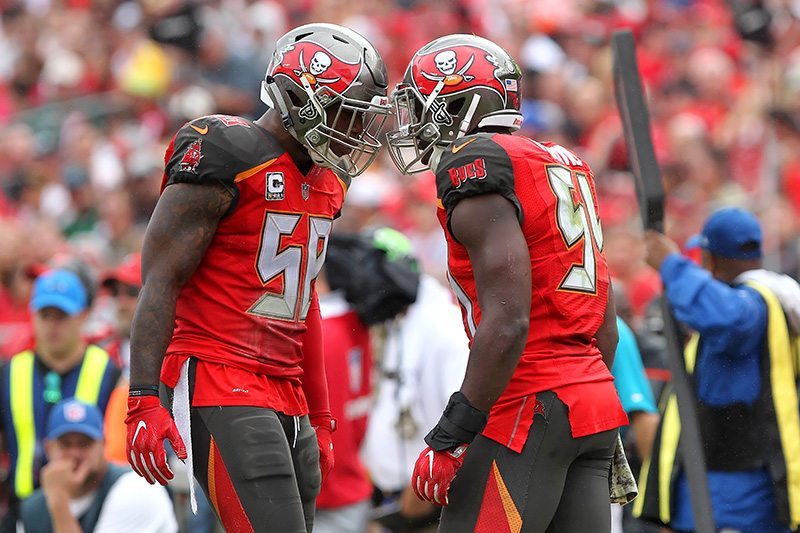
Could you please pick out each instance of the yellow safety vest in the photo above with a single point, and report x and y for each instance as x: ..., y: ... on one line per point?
x: 656, y: 481
x: 90, y: 380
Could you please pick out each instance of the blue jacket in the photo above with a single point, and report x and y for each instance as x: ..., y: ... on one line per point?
x: 732, y: 322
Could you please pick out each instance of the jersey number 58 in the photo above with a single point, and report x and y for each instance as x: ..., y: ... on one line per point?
x: 289, y: 262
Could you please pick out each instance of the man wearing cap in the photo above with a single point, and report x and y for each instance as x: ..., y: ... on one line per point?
x: 60, y: 365
x: 123, y: 284
x: 743, y: 360
x: 82, y: 492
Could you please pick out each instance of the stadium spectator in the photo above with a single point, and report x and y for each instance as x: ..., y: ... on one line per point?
x: 634, y: 391
x: 86, y: 117
x: 16, y: 282
x: 377, y: 281
x: 343, y: 501
x: 745, y: 377
x: 123, y: 284
x: 82, y: 492
x: 421, y: 357
x: 60, y: 365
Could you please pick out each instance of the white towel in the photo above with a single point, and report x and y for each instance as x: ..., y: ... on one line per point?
x: 181, y: 412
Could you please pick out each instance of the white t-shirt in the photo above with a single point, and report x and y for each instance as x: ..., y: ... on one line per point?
x: 134, y: 506
x: 427, y: 351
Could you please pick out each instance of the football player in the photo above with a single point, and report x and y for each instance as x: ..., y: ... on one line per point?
x: 228, y: 319
x: 527, y: 441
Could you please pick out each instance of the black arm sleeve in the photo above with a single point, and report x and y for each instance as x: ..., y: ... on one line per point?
x: 478, y: 166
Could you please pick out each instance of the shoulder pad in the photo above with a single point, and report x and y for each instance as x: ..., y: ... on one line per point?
x: 216, y: 148
x: 475, y: 165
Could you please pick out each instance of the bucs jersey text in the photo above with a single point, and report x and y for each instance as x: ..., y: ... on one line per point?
x: 244, y: 306
x: 552, y: 191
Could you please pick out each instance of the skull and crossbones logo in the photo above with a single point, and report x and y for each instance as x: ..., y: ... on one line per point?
x: 320, y: 62
x: 447, y: 64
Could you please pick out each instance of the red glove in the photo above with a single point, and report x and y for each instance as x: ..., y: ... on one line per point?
x: 434, y: 472
x: 148, y: 425
x: 324, y: 428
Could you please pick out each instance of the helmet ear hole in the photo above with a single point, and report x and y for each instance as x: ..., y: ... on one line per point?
x: 454, y: 107
x: 295, y: 99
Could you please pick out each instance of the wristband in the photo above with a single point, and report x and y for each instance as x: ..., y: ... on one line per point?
x: 327, y: 422
x: 137, y: 392
x: 459, y: 424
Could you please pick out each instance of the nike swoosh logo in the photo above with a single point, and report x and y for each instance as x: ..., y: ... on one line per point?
x: 456, y: 149
x: 201, y: 131
x: 139, y: 427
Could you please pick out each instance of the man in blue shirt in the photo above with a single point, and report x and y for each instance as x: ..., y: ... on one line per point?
x: 730, y: 302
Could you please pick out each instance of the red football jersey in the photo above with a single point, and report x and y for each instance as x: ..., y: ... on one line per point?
x: 244, y: 306
x: 553, y: 193
x: 348, y: 366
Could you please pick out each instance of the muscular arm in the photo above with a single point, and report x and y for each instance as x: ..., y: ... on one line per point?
x: 607, y: 335
x: 182, y: 227
x: 488, y: 226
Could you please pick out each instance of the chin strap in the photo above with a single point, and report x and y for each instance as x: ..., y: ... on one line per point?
x: 436, y: 155
x: 463, y: 128
x: 273, y: 98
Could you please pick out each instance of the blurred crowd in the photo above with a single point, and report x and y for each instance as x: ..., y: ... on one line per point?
x: 92, y: 91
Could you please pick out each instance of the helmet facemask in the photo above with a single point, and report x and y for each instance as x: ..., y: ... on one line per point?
x: 453, y: 86
x: 413, y: 143
x: 339, y: 132
x: 427, y: 126
x: 347, y: 137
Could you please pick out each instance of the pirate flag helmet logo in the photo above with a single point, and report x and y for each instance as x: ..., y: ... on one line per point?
x: 452, y: 86
x: 311, y: 62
